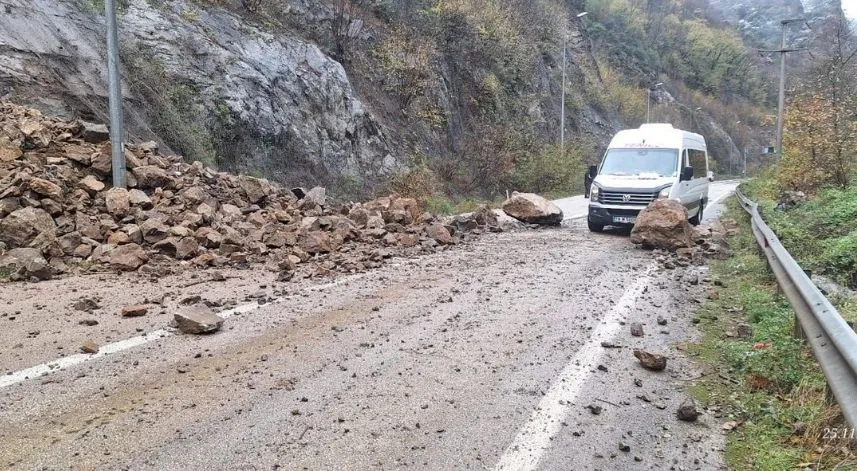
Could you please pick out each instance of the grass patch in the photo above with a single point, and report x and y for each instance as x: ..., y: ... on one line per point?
x: 768, y: 383
x: 821, y: 233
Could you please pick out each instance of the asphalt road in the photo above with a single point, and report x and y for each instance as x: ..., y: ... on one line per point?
x: 576, y: 206
x: 483, y: 356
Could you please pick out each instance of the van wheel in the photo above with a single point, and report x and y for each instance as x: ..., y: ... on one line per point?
x: 593, y: 227
x: 696, y: 220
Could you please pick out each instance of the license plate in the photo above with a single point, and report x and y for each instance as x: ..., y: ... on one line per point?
x: 624, y: 219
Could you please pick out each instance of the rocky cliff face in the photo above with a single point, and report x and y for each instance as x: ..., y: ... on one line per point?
x: 209, y: 84
x: 257, y: 90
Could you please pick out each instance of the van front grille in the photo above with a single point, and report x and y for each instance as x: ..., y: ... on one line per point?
x: 630, y: 198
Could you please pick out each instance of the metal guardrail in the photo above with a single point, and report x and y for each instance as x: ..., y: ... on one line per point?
x: 833, y: 341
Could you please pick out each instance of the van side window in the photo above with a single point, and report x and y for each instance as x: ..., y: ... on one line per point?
x: 697, y: 161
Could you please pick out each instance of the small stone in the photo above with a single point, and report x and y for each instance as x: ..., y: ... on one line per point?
x: 198, y: 319
x: 89, y: 347
x: 636, y: 329
x: 136, y: 310
x: 745, y: 331
x: 651, y: 361
x: 624, y: 447
x: 595, y: 409
x: 662, y: 321
x: 687, y: 411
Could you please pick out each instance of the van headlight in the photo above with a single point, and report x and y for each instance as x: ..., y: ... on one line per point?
x: 594, y: 192
x: 665, y: 193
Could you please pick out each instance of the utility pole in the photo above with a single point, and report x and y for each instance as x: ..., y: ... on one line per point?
x: 115, y: 89
x: 562, y: 105
x: 782, y: 98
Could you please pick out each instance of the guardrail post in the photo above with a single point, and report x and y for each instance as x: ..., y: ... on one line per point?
x: 829, y: 398
x: 798, y: 332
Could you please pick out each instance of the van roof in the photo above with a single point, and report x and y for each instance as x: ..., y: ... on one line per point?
x: 657, y: 135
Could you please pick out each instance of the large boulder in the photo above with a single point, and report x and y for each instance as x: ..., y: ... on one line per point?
x: 663, y: 225
x: 127, y: 257
x: 46, y: 188
x: 255, y: 189
x: 118, y: 201
x: 439, y: 233
x: 532, y: 208
x: 23, y: 226
x: 151, y: 177
x: 315, y: 242
x: 26, y: 263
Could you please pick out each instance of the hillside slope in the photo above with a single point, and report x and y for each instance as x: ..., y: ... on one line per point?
x: 427, y: 97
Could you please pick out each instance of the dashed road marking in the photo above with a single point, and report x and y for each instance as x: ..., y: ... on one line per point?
x: 534, y: 438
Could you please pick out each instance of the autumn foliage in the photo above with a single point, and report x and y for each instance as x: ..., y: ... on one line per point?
x: 820, y: 136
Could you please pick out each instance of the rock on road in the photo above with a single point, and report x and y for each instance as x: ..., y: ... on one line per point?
x: 483, y: 356
x: 577, y: 206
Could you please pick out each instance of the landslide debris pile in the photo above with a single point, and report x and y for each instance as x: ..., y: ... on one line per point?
x: 58, y: 212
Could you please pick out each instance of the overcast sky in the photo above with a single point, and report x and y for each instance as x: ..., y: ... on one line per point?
x: 850, y: 8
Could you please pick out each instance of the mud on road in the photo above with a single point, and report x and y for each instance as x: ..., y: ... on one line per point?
x: 486, y: 355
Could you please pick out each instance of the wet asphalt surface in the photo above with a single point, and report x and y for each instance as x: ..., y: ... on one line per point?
x: 437, y: 362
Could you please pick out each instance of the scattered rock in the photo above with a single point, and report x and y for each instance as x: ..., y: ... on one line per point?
x: 198, y: 319
x: 651, y: 361
x: 661, y: 320
x: 60, y: 202
x: 86, y: 305
x: 789, y: 199
x: 136, y: 310
x: 636, y: 329
x: 624, y: 447
x: 118, y: 201
x: 89, y: 347
x: 91, y: 184
x: 533, y: 209
x: 94, y: 133
x: 127, y: 257
x: 745, y: 331
x: 46, y: 188
x: 687, y: 411
x: 595, y: 409
x: 439, y: 233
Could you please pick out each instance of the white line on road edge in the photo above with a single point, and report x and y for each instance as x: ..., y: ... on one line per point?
x: 72, y: 360
x: 534, y: 438
x: 576, y: 216
x: 115, y: 347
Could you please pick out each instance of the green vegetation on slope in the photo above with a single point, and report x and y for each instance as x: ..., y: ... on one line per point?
x: 821, y: 233
x: 673, y: 38
x: 768, y: 387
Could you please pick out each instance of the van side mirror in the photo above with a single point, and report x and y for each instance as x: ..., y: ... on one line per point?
x: 686, y: 174
x: 593, y: 171
x: 710, y: 176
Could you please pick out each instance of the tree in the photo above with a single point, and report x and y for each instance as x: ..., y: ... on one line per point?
x: 820, y: 145
x: 345, y: 25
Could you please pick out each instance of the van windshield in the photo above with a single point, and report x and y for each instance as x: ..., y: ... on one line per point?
x: 635, y: 162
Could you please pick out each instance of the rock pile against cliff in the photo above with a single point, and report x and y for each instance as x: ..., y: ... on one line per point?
x: 59, y: 213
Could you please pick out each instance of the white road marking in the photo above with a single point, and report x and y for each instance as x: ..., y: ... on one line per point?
x: 107, y: 349
x: 576, y: 216
x: 534, y: 438
x: 115, y: 347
